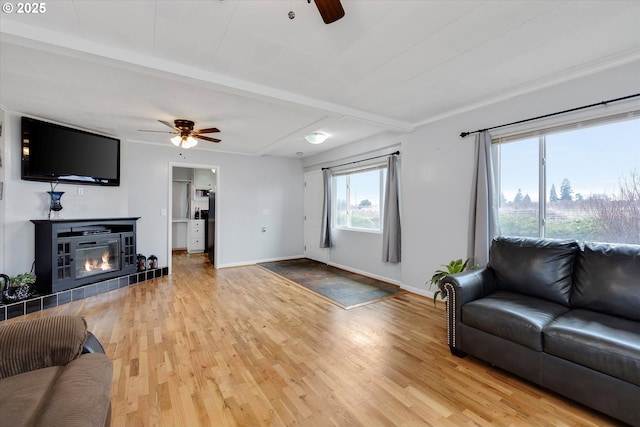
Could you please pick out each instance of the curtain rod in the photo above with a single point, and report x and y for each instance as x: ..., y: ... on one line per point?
x: 363, y: 160
x: 463, y: 134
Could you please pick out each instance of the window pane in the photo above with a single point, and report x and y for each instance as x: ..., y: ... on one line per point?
x: 358, y: 197
x: 519, y: 212
x: 364, y: 192
x: 593, y: 183
x: 341, y: 201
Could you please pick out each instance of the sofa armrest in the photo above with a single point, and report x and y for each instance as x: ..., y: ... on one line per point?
x: 80, y: 396
x: 40, y: 343
x: 462, y: 288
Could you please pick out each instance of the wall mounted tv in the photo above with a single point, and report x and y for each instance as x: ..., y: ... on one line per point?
x: 55, y: 153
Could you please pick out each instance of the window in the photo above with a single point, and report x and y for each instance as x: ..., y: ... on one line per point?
x: 582, y: 183
x: 359, y: 197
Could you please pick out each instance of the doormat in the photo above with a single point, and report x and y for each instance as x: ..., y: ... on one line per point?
x: 343, y: 288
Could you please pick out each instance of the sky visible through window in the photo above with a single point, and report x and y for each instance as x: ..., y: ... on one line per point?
x: 593, y: 159
x: 365, y: 186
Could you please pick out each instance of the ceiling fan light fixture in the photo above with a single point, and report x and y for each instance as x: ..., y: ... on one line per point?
x: 176, y: 140
x: 184, y: 141
x: 189, y: 142
x: 316, y: 138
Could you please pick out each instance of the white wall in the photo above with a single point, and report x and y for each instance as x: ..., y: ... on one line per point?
x: 437, y: 167
x: 253, y: 192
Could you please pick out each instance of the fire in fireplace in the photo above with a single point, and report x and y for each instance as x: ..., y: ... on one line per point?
x: 94, y: 264
x: 97, y: 257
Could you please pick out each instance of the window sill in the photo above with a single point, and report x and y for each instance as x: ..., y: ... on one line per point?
x: 358, y: 230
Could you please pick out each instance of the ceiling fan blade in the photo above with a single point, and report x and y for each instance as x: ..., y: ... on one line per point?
x: 169, y: 124
x: 206, y: 138
x: 158, y: 131
x: 330, y: 10
x: 207, y: 130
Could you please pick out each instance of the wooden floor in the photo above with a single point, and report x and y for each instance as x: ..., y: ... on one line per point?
x: 242, y: 347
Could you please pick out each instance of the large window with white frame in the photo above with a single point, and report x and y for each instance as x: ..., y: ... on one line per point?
x: 359, y: 197
x: 577, y: 182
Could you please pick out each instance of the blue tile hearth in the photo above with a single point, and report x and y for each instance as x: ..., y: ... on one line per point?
x: 49, y: 301
x: 77, y: 293
x: 64, y: 297
x: 90, y: 290
x: 15, y: 310
x: 10, y: 311
x: 102, y: 287
x: 33, y: 305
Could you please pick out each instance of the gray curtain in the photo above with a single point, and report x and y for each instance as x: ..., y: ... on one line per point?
x: 484, y: 208
x: 391, y: 232
x: 325, y: 230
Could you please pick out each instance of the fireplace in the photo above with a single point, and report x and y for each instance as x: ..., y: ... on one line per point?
x: 71, y: 253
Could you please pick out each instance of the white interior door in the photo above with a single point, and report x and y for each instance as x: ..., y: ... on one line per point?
x: 313, y: 198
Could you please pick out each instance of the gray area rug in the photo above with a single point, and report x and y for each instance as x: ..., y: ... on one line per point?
x: 343, y: 288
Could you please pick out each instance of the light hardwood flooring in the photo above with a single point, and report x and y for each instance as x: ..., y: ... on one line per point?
x: 241, y: 347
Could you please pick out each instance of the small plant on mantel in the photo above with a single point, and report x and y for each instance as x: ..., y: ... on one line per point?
x: 455, y: 266
x: 20, y: 287
x: 23, y: 279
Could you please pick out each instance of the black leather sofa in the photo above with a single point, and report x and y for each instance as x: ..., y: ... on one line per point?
x: 561, y: 314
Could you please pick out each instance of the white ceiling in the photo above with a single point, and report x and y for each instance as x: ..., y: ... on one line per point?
x: 243, y: 66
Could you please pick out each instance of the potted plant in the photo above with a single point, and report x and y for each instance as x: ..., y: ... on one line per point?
x: 455, y: 266
x: 20, y: 287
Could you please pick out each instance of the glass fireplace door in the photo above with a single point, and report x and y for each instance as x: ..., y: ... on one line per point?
x: 97, y: 257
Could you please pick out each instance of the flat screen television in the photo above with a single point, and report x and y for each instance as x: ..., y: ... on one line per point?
x: 56, y: 153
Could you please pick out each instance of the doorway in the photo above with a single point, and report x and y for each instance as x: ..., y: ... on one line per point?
x: 193, y: 198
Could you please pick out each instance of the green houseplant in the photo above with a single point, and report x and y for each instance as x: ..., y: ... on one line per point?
x: 455, y: 266
x: 20, y: 287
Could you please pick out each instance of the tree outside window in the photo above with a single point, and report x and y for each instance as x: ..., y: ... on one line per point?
x: 598, y: 172
x: 359, y: 197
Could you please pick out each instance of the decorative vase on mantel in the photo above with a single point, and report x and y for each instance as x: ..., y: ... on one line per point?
x: 55, y: 206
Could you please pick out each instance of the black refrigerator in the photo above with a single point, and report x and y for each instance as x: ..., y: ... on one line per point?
x: 210, y: 227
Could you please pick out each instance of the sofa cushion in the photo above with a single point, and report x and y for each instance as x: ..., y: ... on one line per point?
x: 515, y: 317
x: 540, y: 268
x: 607, y: 344
x: 607, y: 280
x: 22, y: 395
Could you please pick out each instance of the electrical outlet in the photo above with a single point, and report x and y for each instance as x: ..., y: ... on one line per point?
x: 80, y: 191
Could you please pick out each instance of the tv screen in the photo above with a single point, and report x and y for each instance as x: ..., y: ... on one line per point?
x: 57, y: 153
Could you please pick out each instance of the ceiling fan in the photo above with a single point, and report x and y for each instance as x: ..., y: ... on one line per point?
x: 186, y: 136
x: 330, y: 10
